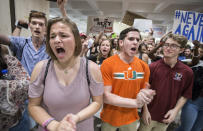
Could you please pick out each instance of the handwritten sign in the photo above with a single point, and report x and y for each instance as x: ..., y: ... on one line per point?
x: 189, y: 24
x: 102, y: 24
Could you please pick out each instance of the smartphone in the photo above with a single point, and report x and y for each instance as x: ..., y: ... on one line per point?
x: 24, y: 25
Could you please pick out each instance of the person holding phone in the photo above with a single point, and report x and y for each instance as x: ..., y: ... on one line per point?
x: 31, y: 50
x: 19, y: 25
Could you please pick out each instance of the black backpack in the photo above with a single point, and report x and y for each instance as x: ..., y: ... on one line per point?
x: 198, y: 81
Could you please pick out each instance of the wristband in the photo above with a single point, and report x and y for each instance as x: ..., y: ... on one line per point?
x: 45, y: 124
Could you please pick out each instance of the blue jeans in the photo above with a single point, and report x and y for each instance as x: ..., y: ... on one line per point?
x: 24, y: 124
x: 192, y: 116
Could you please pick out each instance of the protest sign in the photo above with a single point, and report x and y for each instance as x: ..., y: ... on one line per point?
x: 101, y: 24
x: 189, y: 24
x: 158, y: 31
x: 144, y: 25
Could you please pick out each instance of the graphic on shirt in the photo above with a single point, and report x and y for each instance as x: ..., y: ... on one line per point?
x: 129, y: 75
x: 178, y: 76
x: 130, y: 68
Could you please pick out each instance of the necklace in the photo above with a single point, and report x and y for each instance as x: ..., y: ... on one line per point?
x: 67, y: 68
x: 66, y: 71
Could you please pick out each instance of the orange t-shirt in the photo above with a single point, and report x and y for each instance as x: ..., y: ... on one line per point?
x: 126, y: 81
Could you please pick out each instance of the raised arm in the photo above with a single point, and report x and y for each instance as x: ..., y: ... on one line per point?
x: 98, y: 37
x: 18, y: 28
x: 16, y: 31
x: 151, y: 53
x: 162, y: 40
x: 61, y: 5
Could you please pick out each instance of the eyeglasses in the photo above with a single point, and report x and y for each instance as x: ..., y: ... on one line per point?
x: 172, y: 45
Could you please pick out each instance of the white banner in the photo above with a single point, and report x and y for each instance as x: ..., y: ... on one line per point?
x: 158, y: 31
x: 144, y: 25
x: 189, y: 24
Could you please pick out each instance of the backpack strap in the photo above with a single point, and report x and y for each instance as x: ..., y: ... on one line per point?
x: 46, y: 71
x: 47, y: 67
x: 15, y: 52
x: 88, y: 80
x: 26, y: 41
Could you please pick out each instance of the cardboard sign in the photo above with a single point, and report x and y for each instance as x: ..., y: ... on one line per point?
x: 102, y: 25
x: 189, y: 24
x: 144, y: 25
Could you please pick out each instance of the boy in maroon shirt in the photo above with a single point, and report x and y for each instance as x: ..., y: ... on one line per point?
x: 173, y: 81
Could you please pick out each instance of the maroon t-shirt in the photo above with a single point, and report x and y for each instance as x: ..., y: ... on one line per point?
x: 170, y: 84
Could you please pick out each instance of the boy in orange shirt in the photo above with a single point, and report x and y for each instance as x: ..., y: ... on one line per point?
x: 125, y: 77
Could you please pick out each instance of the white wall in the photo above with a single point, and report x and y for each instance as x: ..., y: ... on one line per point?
x: 5, y: 22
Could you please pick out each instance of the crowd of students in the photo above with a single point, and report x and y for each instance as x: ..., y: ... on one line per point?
x: 69, y: 76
